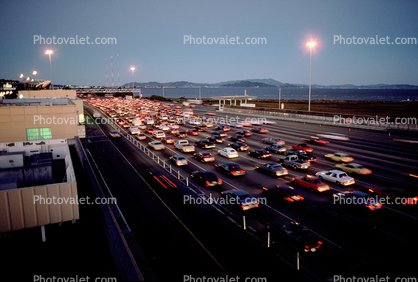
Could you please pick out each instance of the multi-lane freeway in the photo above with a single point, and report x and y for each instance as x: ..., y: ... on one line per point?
x: 203, y: 238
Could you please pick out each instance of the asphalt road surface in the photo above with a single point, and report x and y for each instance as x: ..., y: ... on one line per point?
x: 180, y: 238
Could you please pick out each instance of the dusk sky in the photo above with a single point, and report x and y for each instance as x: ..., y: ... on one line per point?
x: 150, y: 37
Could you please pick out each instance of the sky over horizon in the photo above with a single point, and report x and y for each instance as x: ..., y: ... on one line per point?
x: 152, y: 37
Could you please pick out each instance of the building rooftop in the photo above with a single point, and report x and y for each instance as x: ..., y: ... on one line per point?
x: 36, y: 102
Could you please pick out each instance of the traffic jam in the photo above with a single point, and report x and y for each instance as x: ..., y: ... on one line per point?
x: 252, y: 166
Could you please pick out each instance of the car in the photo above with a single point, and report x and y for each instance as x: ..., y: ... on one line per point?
x: 141, y: 136
x: 220, y: 133
x: 274, y: 169
x: 354, y: 168
x: 275, y: 148
x: 174, y: 126
x: 302, y: 155
x: 223, y: 127
x: 315, y: 140
x: 261, y: 154
x: 297, y: 233
x: 150, y: 130
x: 283, y: 192
x: 114, y: 134
x: 211, y: 114
x: 204, y: 157
x: 181, y: 134
x: 193, y: 131
x: 207, y: 124
x: 406, y: 197
x: 230, y: 168
x: 260, y: 130
x: 337, y: 176
x: 205, y: 144
x: 206, y: 177
x: 246, y: 123
x: 236, y: 125
x: 200, y: 128
x: 158, y: 134
x: 333, y: 136
x: 156, y: 145
x: 237, y: 137
x: 239, y: 146
x: 339, y: 157
x: 215, y: 138
x: 310, y: 182
x: 273, y: 140
x: 245, y: 133
x: 228, y: 153
x: 357, y: 198
x: 178, y: 160
x: 302, y: 146
x: 241, y: 198
x: 168, y: 140
x: 164, y: 127
x: 134, y: 129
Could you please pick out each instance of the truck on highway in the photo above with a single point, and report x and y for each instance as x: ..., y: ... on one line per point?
x: 184, y: 146
x: 294, y: 161
x: 186, y: 104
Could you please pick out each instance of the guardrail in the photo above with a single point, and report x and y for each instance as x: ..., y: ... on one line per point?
x: 326, y: 118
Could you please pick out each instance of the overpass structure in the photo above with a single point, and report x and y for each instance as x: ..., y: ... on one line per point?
x: 233, y: 100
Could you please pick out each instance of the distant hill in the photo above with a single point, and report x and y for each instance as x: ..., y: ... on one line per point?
x: 266, y: 83
x: 246, y: 83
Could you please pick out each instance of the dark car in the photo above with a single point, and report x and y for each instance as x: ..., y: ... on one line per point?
x: 230, y: 168
x: 274, y: 169
x: 223, y: 127
x: 205, y: 144
x: 302, y: 155
x: 283, y: 192
x: 239, y: 146
x: 275, y: 148
x: 215, y: 138
x: 206, y: 177
x: 168, y: 140
x: 200, y: 128
x: 273, y: 140
x: 237, y: 137
x: 181, y: 134
x: 297, y: 233
x: 260, y: 130
x: 241, y: 198
x: 220, y: 133
x: 204, y: 157
x: 261, y: 154
x: 245, y: 133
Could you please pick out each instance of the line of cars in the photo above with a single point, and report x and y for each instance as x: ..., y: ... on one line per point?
x: 298, y: 157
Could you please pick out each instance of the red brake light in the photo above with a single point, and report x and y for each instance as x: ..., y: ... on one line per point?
x: 219, y: 181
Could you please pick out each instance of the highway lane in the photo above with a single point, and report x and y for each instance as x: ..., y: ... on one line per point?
x: 156, y: 217
x: 318, y: 213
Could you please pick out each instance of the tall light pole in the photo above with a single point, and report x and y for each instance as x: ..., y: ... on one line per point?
x: 35, y: 73
x: 310, y: 44
x: 133, y: 69
x: 49, y: 52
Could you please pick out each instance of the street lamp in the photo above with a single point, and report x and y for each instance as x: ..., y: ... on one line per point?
x: 310, y: 44
x: 35, y: 73
x: 49, y: 52
x: 132, y: 69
